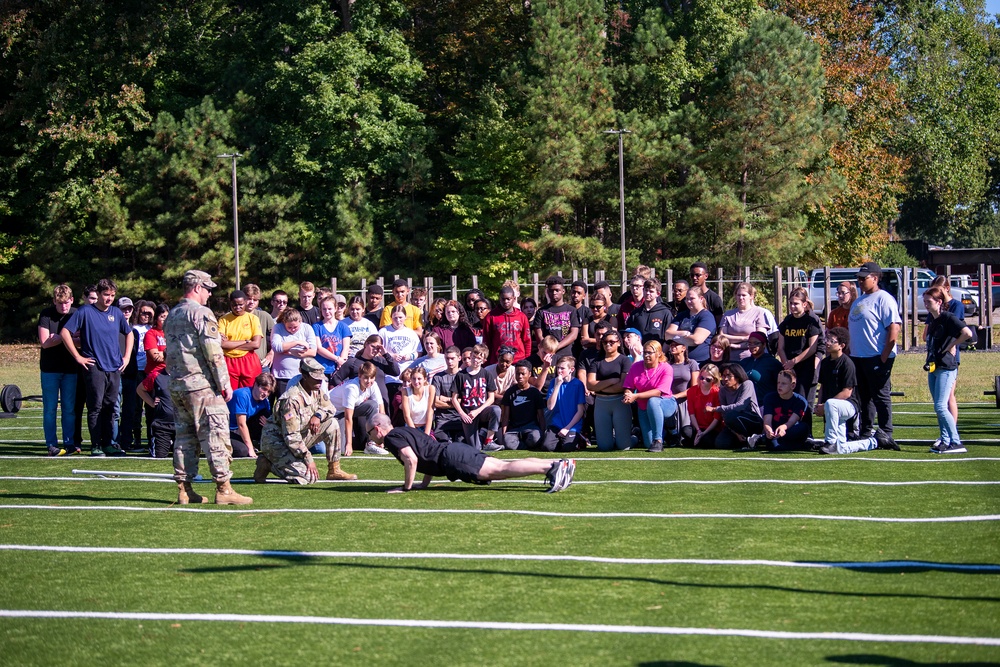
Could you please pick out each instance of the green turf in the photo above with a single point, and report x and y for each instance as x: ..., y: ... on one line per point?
x: 888, y: 601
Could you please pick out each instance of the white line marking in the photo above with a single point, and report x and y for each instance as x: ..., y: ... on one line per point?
x: 563, y: 515
x: 270, y: 553
x: 500, y: 625
x: 649, y: 458
x: 109, y: 476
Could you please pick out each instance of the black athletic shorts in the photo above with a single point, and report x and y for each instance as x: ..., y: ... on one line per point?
x: 460, y: 461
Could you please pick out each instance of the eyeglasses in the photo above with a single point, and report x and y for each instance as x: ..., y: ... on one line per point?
x: 706, y: 378
x: 145, y: 313
x: 637, y: 286
x: 279, y: 302
x: 597, y: 306
x: 611, y: 341
x: 697, y: 275
x: 481, y: 308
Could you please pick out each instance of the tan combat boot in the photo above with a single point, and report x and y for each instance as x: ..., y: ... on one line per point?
x: 334, y: 472
x: 263, y: 468
x: 186, y: 495
x: 225, y: 495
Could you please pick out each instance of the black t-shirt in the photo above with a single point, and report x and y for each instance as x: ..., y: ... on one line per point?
x: 797, y: 332
x: 604, y: 369
x: 524, y: 406
x: 163, y: 413
x: 835, y: 375
x: 444, y: 386
x: 473, y: 390
x: 311, y: 316
x: 557, y: 321
x: 941, y: 335
x: 587, y: 359
x: 55, y: 359
x: 427, y: 449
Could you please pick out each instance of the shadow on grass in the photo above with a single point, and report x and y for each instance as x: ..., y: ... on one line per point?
x: 889, y: 661
x: 455, y: 487
x: 673, y: 663
x: 296, y: 560
x: 64, y: 496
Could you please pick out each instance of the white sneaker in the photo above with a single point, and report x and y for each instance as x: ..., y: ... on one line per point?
x: 374, y: 450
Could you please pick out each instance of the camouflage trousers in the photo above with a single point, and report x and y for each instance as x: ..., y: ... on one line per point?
x: 201, y: 422
x: 283, y: 461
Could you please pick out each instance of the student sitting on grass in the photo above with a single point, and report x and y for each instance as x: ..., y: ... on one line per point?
x: 785, y: 423
x: 522, y: 412
x: 419, y: 452
x: 838, y: 400
x: 566, y: 404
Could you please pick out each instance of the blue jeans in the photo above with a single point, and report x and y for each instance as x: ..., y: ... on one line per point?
x: 940, y: 382
x: 58, y: 389
x: 651, y: 419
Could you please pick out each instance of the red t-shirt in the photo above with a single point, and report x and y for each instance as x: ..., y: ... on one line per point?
x: 697, y: 402
x: 154, y: 340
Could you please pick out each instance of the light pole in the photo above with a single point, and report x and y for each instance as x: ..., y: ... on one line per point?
x: 621, y: 194
x: 236, y: 215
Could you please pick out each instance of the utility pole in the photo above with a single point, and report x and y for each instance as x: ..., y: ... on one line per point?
x: 621, y: 194
x: 236, y: 216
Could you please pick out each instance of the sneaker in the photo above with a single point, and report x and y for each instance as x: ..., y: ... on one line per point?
x: 71, y: 450
x: 828, y: 448
x: 656, y: 446
x: 751, y: 443
x: 114, y: 451
x: 374, y: 450
x: 490, y: 446
x: 883, y: 441
x: 57, y: 451
x: 97, y: 453
x: 569, y: 468
x: 815, y: 444
x: 936, y: 444
x: 556, y: 476
x: 951, y: 448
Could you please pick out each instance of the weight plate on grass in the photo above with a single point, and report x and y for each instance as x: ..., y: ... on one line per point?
x: 10, y: 398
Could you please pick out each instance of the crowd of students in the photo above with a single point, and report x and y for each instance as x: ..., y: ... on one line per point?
x: 583, y: 369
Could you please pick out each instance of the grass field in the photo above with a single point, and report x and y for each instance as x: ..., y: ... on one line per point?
x: 684, y: 558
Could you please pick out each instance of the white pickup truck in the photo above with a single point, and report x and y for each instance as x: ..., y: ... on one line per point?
x: 891, y: 278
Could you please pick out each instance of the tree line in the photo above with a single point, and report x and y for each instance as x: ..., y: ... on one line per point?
x: 440, y: 137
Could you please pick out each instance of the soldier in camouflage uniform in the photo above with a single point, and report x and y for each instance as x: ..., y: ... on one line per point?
x: 199, y: 389
x: 302, y: 417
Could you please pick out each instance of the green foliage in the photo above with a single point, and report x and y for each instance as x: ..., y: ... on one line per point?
x: 895, y: 254
x: 767, y: 140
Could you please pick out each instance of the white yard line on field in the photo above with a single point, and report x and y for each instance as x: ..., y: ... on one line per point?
x: 481, y: 512
x: 738, y: 562
x: 499, y: 625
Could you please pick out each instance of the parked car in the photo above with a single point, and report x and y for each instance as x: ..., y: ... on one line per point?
x: 891, y: 278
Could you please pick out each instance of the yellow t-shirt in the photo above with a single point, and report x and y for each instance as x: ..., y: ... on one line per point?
x: 414, y: 318
x: 243, y: 327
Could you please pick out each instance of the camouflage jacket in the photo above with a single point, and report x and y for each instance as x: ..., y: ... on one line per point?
x: 292, y: 413
x: 194, y: 351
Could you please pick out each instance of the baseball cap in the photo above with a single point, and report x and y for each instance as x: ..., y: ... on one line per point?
x: 632, y: 330
x: 312, y: 368
x: 340, y: 298
x: 869, y: 268
x: 125, y: 302
x: 195, y: 277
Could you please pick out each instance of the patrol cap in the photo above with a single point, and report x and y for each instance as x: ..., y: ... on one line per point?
x: 312, y: 368
x: 193, y: 278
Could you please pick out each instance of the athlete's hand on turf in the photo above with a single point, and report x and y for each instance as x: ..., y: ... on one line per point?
x: 398, y: 489
x: 311, y: 473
